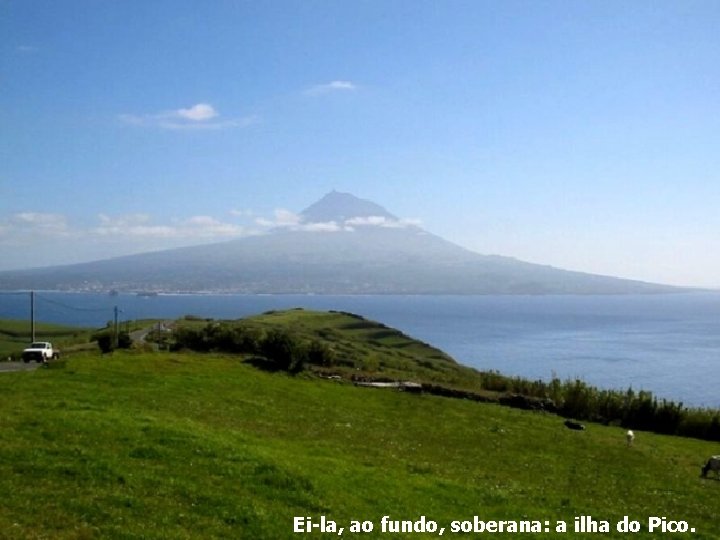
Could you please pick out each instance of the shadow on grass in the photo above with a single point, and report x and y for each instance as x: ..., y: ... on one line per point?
x: 262, y: 364
x: 56, y: 364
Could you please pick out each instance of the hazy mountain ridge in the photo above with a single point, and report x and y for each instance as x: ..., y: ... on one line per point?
x: 366, y: 251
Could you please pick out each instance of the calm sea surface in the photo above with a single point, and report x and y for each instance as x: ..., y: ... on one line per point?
x: 669, y: 344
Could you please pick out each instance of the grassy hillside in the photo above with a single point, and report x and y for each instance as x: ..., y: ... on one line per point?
x: 349, y: 345
x: 185, y: 445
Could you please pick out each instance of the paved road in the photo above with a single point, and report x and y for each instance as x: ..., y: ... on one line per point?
x: 18, y: 366
x: 139, y: 336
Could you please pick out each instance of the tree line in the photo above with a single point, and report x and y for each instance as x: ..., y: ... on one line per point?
x: 573, y: 398
x: 280, y: 348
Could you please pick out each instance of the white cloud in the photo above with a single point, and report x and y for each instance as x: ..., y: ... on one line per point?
x: 286, y: 219
x: 29, y: 239
x: 124, y: 220
x: 206, y: 226
x: 23, y: 226
x: 31, y: 232
x: 381, y: 221
x: 40, y: 238
x: 203, y: 221
x: 134, y: 225
x: 139, y: 225
x: 328, y: 226
x: 35, y: 223
x: 369, y: 220
x: 197, y: 113
x: 29, y: 227
x: 199, y: 116
x: 282, y: 218
x: 334, y: 86
x: 242, y: 213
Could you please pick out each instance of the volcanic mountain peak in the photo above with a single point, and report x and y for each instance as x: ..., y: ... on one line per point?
x: 340, y: 207
x: 375, y: 253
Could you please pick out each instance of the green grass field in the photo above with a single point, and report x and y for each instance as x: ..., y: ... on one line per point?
x: 185, y: 445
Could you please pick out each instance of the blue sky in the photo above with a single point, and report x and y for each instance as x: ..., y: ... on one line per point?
x: 585, y: 135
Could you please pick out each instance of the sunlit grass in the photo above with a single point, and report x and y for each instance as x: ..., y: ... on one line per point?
x: 172, y: 445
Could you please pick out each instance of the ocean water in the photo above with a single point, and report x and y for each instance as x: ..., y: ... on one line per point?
x: 668, y: 344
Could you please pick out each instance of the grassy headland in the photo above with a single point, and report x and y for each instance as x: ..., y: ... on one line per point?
x: 357, y: 346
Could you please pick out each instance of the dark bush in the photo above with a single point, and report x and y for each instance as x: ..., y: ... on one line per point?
x: 124, y: 340
x: 284, y: 351
x: 105, y: 342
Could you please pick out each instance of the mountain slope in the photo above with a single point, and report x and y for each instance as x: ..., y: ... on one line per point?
x: 343, y: 245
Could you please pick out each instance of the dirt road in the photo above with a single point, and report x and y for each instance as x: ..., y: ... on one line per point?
x: 19, y: 366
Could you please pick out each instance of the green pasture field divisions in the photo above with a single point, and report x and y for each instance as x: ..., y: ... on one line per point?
x: 158, y: 445
x: 16, y: 335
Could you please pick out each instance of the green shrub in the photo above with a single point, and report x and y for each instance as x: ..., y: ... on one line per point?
x: 106, y: 340
x: 284, y: 351
x: 320, y: 354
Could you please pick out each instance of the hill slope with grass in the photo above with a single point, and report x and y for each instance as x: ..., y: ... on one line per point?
x: 350, y: 346
x: 188, y: 445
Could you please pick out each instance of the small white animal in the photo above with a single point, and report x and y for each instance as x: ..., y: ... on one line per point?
x: 629, y: 437
x: 713, y: 464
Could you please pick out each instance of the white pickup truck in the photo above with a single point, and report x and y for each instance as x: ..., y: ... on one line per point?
x: 40, y: 351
